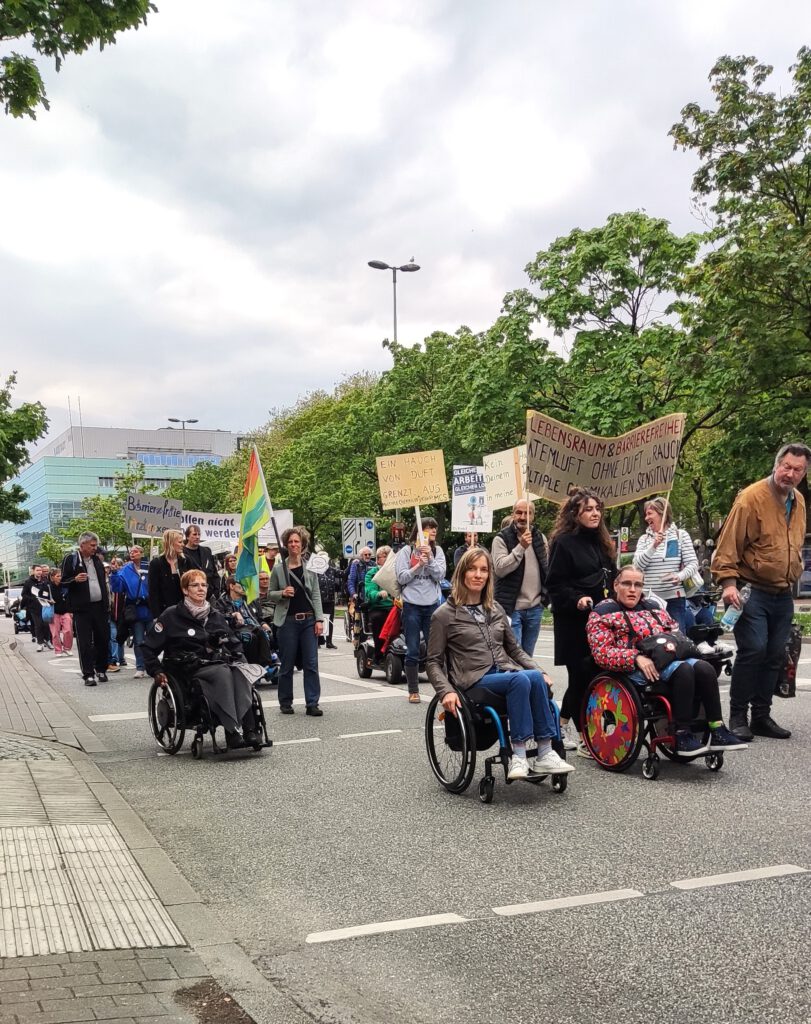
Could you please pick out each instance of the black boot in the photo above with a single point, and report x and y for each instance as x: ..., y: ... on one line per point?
x: 739, y: 725
x: 764, y: 725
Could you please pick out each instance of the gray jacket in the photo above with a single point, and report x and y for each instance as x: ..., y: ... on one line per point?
x: 457, y: 642
x: 277, y: 585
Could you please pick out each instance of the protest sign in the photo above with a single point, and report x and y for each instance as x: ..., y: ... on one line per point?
x: 505, y: 477
x: 318, y: 563
x: 619, y: 469
x: 416, y: 478
x: 218, y: 530
x: 469, y: 508
x: 148, y: 515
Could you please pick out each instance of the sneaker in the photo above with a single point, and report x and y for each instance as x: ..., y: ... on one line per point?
x: 90, y: 680
x: 40, y: 647
x: 722, y: 739
x: 414, y: 698
x: 314, y: 710
x: 568, y: 735
x: 102, y: 677
x: 689, y: 745
x: 286, y: 709
x: 113, y: 668
x: 139, y: 674
x: 68, y: 654
x: 583, y: 750
x: 518, y: 768
x: 550, y: 764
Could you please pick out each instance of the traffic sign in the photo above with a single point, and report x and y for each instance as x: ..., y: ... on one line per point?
x: 357, y: 534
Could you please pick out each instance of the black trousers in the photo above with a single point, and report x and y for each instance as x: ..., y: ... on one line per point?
x: 40, y: 629
x: 92, y: 629
x: 688, y: 686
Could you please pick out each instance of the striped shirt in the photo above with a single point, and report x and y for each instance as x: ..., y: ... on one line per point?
x: 675, y: 556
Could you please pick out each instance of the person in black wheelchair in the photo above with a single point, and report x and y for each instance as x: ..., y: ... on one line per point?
x: 615, y: 628
x: 471, y: 640
x: 197, y: 642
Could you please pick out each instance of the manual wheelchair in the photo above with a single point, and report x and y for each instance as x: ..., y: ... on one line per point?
x: 453, y: 741
x: 180, y: 705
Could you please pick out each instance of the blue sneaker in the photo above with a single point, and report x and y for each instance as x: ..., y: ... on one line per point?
x: 689, y: 746
x: 721, y: 739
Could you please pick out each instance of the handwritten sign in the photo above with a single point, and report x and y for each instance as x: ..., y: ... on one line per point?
x: 505, y: 475
x: 148, y: 515
x: 417, y: 478
x: 618, y: 469
x: 469, y: 508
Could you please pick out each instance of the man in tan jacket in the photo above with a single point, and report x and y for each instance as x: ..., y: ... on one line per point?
x: 761, y: 544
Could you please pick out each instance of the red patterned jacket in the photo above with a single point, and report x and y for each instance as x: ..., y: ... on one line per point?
x: 611, y: 644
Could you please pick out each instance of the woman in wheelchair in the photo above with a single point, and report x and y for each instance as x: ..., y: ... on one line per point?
x: 471, y: 637
x: 198, y: 636
x: 613, y: 629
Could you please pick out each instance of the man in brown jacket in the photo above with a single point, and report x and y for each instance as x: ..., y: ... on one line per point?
x: 761, y: 544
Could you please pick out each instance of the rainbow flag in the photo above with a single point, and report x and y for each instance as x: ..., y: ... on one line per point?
x: 255, y: 513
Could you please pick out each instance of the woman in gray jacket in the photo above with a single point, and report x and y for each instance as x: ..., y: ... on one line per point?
x: 471, y: 636
x: 295, y: 592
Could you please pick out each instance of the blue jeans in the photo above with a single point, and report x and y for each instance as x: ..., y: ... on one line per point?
x: 676, y: 608
x: 760, y: 633
x: 526, y: 624
x: 138, y: 630
x: 528, y: 706
x: 295, y: 633
x: 116, y: 649
x: 416, y: 620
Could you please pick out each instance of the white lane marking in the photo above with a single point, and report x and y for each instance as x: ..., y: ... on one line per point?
x: 804, y: 661
x: 365, y: 683
x: 406, y: 924
x: 339, y: 698
x: 124, y: 716
x: 307, y: 739
x: 73, y: 671
x: 610, y: 896
x: 739, y: 876
x: 377, y: 732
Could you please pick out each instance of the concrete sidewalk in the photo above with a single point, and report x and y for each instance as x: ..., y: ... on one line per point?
x: 96, y: 922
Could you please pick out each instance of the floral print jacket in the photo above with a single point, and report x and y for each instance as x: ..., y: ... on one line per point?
x: 610, y: 640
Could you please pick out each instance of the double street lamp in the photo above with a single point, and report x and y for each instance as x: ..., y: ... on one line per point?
x: 407, y: 268
x: 174, y: 419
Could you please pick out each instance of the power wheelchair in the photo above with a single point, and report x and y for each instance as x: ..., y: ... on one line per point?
x: 180, y: 705
x: 453, y: 741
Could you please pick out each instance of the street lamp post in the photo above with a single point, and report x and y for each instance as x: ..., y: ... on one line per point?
x: 407, y: 268
x: 173, y: 419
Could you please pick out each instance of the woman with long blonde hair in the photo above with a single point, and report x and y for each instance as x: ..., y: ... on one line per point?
x: 163, y: 578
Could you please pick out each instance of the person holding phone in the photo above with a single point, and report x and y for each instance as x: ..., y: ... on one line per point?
x: 665, y: 554
x: 581, y: 574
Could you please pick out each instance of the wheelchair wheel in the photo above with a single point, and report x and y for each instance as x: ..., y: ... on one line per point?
x: 394, y: 669
x: 451, y: 745
x: 613, y: 722
x: 486, y: 790
x: 715, y: 761
x: 360, y: 663
x: 167, y: 716
x: 560, y: 783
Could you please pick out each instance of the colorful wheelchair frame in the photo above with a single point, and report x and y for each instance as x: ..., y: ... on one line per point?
x: 453, y: 741
x: 620, y: 718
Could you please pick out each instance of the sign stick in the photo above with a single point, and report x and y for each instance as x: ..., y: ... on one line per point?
x: 420, y: 534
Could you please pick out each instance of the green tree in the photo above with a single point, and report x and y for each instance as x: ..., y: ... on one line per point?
x: 53, y: 29
x: 52, y: 549
x: 18, y: 428
x: 205, y: 489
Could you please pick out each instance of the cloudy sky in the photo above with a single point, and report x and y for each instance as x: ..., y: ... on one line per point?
x: 186, y: 232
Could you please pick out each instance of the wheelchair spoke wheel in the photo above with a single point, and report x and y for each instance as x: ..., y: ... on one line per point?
x: 166, y: 716
x: 451, y: 746
x: 613, y: 722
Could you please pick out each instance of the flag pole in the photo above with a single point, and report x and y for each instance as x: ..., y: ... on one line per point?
x: 282, y: 550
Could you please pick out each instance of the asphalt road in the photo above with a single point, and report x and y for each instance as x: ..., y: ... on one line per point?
x: 349, y: 830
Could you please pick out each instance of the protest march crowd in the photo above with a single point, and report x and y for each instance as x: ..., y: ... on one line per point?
x: 470, y: 621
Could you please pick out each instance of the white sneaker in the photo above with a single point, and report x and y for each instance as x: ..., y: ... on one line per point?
x: 583, y: 750
x: 550, y: 764
x: 40, y: 647
x: 68, y: 654
x: 518, y: 768
x: 567, y: 735
x: 139, y: 675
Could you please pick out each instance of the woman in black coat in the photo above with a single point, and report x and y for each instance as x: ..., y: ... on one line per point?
x: 163, y: 578
x: 581, y: 574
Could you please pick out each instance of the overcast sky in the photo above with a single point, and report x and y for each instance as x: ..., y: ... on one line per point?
x: 186, y: 232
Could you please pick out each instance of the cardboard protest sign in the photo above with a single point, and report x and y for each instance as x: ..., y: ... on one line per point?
x: 416, y: 478
x: 619, y: 469
x: 505, y: 475
x: 148, y: 515
x: 469, y: 507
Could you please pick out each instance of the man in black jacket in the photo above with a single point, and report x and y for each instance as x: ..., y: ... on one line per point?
x: 520, y: 561
x: 33, y: 609
x: 199, y: 557
x: 89, y: 599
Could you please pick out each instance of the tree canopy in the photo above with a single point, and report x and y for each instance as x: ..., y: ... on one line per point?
x: 54, y: 29
x: 18, y: 428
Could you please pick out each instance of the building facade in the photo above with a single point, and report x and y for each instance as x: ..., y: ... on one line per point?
x: 83, y: 462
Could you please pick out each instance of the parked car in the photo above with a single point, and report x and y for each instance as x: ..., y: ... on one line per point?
x: 11, y: 600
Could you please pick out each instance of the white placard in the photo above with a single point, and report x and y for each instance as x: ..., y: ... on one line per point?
x: 469, y: 508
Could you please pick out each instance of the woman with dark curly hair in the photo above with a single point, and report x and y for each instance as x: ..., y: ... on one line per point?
x: 298, y: 618
x: 581, y: 574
